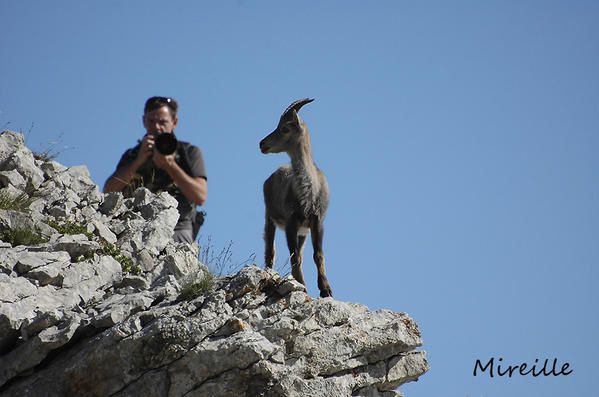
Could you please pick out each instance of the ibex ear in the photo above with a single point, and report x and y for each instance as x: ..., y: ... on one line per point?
x: 293, y: 117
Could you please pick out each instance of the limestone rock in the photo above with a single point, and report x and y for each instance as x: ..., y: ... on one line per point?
x: 108, y: 305
x: 15, y: 156
x: 14, y: 178
x: 214, y: 346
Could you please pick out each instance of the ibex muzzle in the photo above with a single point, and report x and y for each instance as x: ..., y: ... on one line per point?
x: 296, y: 196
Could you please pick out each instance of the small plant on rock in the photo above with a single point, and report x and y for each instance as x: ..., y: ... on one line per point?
x: 70, y: 228
x: 197, y: 285
x: 220, y: 262
x: 22, y: 237
x: 50, y: 150
x: 19, y: 203
x: 87, y: 257
x: 126, y: 263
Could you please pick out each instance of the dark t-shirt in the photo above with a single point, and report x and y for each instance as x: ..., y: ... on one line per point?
x: 188, y: 157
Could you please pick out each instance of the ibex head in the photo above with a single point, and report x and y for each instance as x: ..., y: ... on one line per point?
x: 290, y: 131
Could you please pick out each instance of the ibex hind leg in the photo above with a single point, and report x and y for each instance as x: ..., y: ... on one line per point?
x: 269, y: 243
x: 301, y: 240
x: 317, y: 232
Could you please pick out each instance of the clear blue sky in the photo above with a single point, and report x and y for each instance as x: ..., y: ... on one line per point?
x: 460, y: 140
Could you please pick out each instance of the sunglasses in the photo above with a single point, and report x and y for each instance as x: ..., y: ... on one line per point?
x: 158, y: 101
x: 162, y: 99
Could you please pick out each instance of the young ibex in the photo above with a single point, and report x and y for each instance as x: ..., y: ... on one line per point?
x: 296, y: 196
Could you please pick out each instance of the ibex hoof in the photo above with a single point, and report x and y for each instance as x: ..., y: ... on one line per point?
x: 325, y: 293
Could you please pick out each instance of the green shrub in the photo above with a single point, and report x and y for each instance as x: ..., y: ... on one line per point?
x: 22, y: 237
x: 70, y: 228
x: 127, y: 264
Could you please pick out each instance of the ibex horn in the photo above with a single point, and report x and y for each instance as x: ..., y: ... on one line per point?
x: 297, y: 105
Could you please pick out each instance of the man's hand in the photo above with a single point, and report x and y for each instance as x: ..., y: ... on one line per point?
x: 145, y: 149
x: 124, y: 175
x: 194, y: 189
x: 164, y: 162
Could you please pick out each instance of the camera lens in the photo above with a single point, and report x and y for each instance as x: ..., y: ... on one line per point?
x: 166, y: 144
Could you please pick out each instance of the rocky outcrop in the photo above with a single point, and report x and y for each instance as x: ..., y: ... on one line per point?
x: 96, y: 300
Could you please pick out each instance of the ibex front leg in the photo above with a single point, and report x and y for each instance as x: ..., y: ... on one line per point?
x: 269, y: 242
x: 317, y: 231
x: 294, y: 248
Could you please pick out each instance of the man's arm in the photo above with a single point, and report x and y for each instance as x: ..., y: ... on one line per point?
x: 195, y: 189
x: 125, y: 174
x: 121, y: 178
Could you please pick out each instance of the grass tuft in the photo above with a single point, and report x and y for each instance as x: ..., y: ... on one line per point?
x: 219, y: 262
x: 197, y: 286
x: 19, y: 203
x: 50, y: 152
x: 22, y: 237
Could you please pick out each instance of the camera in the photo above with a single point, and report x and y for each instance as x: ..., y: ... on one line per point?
x: 166, y: 144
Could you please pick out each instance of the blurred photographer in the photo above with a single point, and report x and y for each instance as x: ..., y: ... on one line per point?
x: 161, y: 163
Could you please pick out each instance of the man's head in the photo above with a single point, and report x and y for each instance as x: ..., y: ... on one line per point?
x: 160, y: 115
